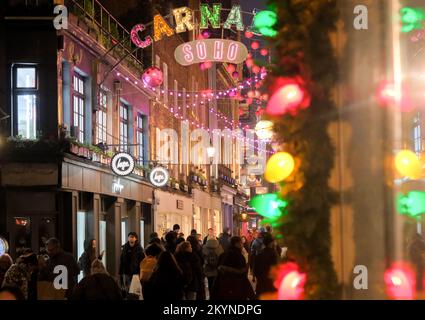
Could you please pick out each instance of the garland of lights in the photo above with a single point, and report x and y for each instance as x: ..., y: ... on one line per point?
x: 300, y: 91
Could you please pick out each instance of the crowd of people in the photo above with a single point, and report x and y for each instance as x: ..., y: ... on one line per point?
x: 171, y: 267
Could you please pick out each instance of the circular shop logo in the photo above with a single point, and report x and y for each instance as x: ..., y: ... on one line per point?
x: 122, y: 164
x: 159, y: 176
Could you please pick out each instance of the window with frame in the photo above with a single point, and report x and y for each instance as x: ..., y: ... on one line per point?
x: 139, y: 138
x: 25, y: 97
x: 101, y: 119
x: 123, y: 127
x: 78, y: 117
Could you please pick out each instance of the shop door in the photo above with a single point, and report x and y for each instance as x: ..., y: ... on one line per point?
x: 32, y: 232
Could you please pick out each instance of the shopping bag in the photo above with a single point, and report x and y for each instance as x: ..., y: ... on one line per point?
x: 135, y: 286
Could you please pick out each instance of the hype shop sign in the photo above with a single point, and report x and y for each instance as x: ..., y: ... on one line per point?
x: 217, y: 50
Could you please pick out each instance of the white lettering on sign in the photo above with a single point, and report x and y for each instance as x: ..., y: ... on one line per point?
x: 159, y: 176
x: 215, y: 50
x: 117, y: 187
x: 122, y: 164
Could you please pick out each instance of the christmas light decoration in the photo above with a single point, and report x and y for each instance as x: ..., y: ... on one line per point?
x: 288, y: 95
x: 264, y: 130
x: 412, y: 204
x: 290, y: 282
x: 400, y: 282
x: 408, y: 165
x: 153, y: 77
x: 255, y: 45
x: 268, y: 205
x: 234, y: 18
x: 264, y: 52
x: 256, y: 69
x: 412, y: 19
x: 206, y: 15
x: 279, y: 167
x: 136, y: 39
x: 264, y: 22
x: 248, y: 34
x: 161, y: 27
x: 183, y: 17
x: 387, y: 95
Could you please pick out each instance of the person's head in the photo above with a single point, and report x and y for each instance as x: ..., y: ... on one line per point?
x: 154, y: 235
x: 226, y: 230
x: 243, y: 239
x: 236, y: 242
x: 98, y: 267
x: 194, y: 242
x: 185, y: 246
x: 167, y: 263
x: 193, y: 232
x: 5, y: 261
x: 155, y: 240
x: 90, y: 245
x: 53, y: 247
x: 132, y: 238
x: 11, y: 293
x: 269, y: 229
x: 176, y: 228
x: 30, y: 259
x: 199, y: 237
x: 171, y: 237
x: 181, y: 235
x: 153, y: 250
x: 254, y: 233
x: 211, y: 232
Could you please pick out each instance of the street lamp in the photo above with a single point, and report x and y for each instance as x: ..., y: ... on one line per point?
x: 211, y: 152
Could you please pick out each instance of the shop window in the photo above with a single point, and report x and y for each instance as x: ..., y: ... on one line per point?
x: 102, y: 238
x: 26, y: 102
x: 81, y: 235
x: 78, y: 115
x: 101, y: 118
x: 142, y: 233
x: 140, y: 139
x: 123, y: 127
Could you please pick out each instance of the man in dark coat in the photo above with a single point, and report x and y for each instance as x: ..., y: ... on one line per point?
x: 59, y: 257
x: 131, y: 256
x: 232, y: 282
x: 224, y: 239
x: 265, y: 260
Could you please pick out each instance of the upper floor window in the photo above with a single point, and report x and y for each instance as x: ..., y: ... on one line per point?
x: 25, y: 101
x: 78, y: 118
x: 101, y: 119
x: 123, y: 127
x: 140, y: 138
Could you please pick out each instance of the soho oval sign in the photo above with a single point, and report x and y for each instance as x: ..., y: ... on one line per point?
x: 122, y: 164
x: 159, y: 176
x: 215, y: 50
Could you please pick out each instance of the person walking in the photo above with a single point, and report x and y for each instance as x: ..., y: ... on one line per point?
x: 245, y: 248
x: 5, y: 263
x: 88, y: 256
x: 256, y: 247
x: 232, y: 281
x: 224, y: 239
x: 265, y: 260
x: 23, y: 275
x: 209, y: 236
x: 97, y: 285
x: 131, y: 256
x: 166, y: 282
x: 171, y: 242
x: 197, y: 249
x: 58, y: 257
x: 190, y: 265
x: 148, y: 264
x: 211, y: 253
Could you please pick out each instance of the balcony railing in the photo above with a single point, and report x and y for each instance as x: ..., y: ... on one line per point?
x: 107, y: 31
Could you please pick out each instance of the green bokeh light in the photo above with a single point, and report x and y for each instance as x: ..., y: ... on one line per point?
x: 264, y: 22
x: 412, y: 204
x: 268, y: 205
x: 412, y: 18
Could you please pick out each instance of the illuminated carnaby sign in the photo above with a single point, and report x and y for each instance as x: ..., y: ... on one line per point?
x: 216, y: 50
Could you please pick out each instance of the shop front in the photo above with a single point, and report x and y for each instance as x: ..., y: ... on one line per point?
x: 172, y: 208
x: 227, y: 199
x: 207, y: 212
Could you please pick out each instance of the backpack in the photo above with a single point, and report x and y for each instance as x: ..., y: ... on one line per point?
x: 212, y: 259
x: 146, y: 268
